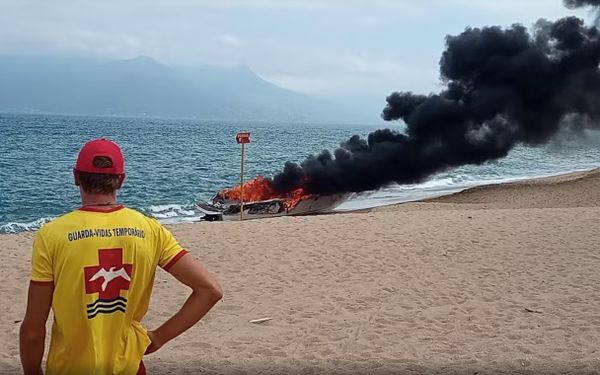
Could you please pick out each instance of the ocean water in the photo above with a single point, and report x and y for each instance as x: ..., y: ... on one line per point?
x: 171, y: 164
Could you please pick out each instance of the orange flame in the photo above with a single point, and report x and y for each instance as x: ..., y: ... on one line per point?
x: 294, y: 198
x: 260, y: 189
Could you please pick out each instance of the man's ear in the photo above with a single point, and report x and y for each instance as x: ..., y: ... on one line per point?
x: 121, y: 179
x: 76, y: 177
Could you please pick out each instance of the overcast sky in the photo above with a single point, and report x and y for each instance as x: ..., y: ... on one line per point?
x: 339, y: 49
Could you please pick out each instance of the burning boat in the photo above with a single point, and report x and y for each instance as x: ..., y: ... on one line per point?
x: 261, y: 201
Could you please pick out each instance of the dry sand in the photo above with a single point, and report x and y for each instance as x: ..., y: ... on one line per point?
x: 498, y: 279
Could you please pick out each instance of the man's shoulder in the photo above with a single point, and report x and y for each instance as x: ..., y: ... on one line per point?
x: 58, y: 222
x: 135, y: 214
x: 54, y: 229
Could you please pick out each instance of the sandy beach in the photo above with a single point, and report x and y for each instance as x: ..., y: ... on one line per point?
x: 496, y: 279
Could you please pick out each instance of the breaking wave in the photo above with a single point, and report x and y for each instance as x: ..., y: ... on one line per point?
x: 16, y: 227
x: 174, y: 213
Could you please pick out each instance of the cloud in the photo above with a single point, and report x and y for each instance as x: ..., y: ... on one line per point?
x: 533, y: 9
x: 332, y: 76
x: 230, y: 40
x: 77, y: 42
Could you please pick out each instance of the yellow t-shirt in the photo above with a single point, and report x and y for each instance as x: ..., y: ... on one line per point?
x: 102, y: 265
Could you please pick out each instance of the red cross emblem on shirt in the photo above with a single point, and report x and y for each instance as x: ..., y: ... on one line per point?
x: 110, y: 276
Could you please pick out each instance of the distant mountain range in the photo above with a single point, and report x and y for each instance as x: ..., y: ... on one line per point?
x: 145, y: 87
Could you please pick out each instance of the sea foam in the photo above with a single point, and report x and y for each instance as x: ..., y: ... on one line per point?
x: 16, y: 227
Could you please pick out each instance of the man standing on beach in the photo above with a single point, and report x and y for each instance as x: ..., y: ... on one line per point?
x: 95, y: 267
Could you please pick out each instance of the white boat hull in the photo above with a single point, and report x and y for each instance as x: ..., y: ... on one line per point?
x: 230, y: 211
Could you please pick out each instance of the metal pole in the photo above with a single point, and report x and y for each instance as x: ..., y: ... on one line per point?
x: 242, y: 183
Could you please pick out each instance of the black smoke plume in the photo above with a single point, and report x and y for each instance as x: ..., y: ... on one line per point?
x: 504, y: 87
x: 572, y: 4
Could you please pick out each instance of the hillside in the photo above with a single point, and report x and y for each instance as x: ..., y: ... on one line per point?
x: 145, y: 87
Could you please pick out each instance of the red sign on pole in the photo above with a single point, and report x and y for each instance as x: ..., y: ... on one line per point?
x: 242, y: 138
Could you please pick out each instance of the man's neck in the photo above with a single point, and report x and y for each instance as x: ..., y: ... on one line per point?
x: 98, y: 200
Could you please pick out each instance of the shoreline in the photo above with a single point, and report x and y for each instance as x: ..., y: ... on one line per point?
x: 509, y: 181
x: 483, y: 185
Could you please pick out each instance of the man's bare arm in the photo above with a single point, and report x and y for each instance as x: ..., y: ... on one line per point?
x: 33, y: 329
x: 206, y: 292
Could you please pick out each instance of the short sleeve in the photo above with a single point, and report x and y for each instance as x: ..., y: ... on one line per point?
x: 170, y: 251
x: 41, y: 261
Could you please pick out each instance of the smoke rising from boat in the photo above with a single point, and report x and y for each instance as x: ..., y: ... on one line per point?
x: 504, y: 87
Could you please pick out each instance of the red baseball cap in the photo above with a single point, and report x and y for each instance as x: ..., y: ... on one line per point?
x: 100, y: 147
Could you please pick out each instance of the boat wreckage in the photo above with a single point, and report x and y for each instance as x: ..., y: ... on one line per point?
x: 261, y: 201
